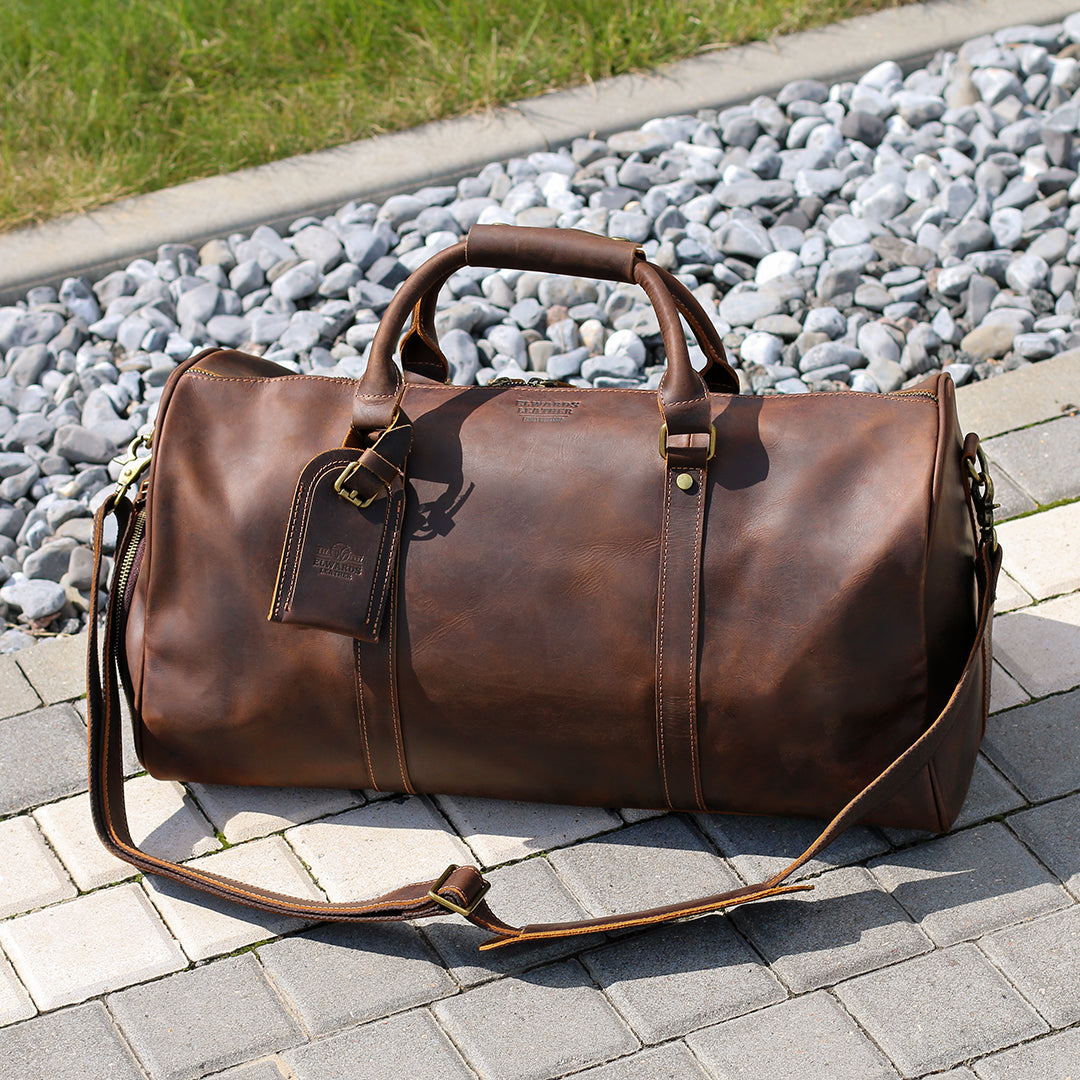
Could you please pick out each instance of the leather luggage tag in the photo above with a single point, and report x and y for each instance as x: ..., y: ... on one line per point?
x: 338, y: 560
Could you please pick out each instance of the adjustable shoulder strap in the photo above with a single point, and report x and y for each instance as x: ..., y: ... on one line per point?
x: 461, y: 889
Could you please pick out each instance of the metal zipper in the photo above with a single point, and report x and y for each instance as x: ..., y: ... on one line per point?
x: 138, y: 527
x: 546, y: 384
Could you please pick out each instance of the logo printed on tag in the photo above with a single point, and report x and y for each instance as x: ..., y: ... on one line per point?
x: 546, y: 410
x: 338, y: 561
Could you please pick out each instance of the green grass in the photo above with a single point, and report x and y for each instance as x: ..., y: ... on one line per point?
x: 105, y: 98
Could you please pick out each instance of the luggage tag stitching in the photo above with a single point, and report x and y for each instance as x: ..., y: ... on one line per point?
x: 308, y: 499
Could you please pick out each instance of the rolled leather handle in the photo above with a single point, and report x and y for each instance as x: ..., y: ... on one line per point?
x: 556, y: 251
x: 420, y: 351
x: 683, y: 395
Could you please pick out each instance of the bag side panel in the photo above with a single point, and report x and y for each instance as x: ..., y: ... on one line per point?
x: 951, y: 609
x: 226, y: 695
x: 813, y: 671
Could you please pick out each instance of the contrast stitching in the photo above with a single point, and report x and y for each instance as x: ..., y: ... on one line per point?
x: 698, y: 909
x: 894, y: 398
x: 660, y: 698
x: 308, y: 499
x: 376, y: 588
x: 695, y: 763
x: 398, y: 734
x: 357, y: 646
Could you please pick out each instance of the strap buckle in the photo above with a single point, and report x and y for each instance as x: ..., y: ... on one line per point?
x: 712, y: 441
x: 433, y: 893
x: 347, y: 493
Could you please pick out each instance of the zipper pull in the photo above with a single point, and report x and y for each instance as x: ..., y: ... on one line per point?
x: 132, y: 466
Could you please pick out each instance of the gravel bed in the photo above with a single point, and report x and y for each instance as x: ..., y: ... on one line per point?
x: 859, y: 236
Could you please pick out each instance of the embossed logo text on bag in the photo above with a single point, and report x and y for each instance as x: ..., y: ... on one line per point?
x: 546, y: 410
x: 338, y: 561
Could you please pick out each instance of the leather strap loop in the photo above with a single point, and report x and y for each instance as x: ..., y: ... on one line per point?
x: 464, y: 885
x: 678, y: 618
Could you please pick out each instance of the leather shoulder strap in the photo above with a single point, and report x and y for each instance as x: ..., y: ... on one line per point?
x: 461, y: 889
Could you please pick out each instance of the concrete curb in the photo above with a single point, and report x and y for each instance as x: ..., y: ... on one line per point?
x: 93, y: 244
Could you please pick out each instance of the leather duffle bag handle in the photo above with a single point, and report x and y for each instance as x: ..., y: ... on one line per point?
x: 683, y: 395
x: 578, y: 254
x: 683, y: 398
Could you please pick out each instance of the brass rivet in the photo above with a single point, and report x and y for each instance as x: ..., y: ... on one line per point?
x: 685, y: 481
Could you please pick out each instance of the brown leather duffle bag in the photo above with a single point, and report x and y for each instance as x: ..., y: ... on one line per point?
x: 679, y: 598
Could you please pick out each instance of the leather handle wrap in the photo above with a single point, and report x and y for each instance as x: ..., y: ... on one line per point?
x: 555, y: 251
x: 464, y: 886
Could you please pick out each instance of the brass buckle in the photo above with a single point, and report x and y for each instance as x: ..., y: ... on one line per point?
x: 982, y: 496
x: 433, y: 893
x: 712, y: 441
x: 348, y: 495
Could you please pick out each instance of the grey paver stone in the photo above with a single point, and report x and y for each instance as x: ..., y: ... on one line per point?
x: 1053, y: 1057
x: 74, y: 1044
x: 939, y: 1010
x: 246, y: 813
x: 657, y: 862
x: 376, y: 848
x: 1042, y: 960
x: 1052, y: 831
x: 30, y: 874
x: 553, y: 1011
x: 89, y: 945
x: 1010, y: 498
x: 160, y: 815
x: 1005, y: 691
x: 410, y: 1046
x: 847, y: 926
x: 16, y: 694
x: 42, y: 756
x: 990, y: 794
x: 523, y: 893
x: 1042, y: 459
x: 15, y: 1003
x: 204, y: 1020
x: 1040, y: 646
x: 1037, y: 746
x: 499, y: 831
x: 343, y: 974
x: 56, y: 667
x: 208, y: 925
x: 633, y: 815
x: 1010, y: 594
x: 676, y: 979
x: 812, y: 1031
x: 1042, y: 552
x: 670, y: 1062
x: 962, y: 885
x: 1023, y: 397
x: 267, y: 1069
x: 760, y: 846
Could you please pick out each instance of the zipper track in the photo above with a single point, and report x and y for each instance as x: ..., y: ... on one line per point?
x: 127, y: 562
